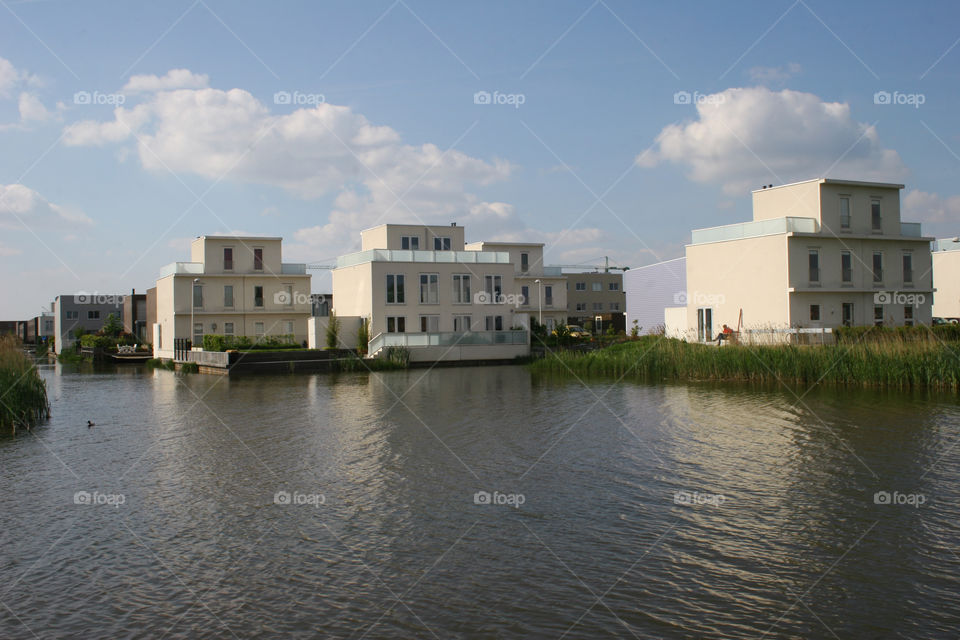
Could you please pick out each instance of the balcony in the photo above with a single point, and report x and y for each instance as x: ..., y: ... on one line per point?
x: 754, y: 229
x: 182, y: 268
x: 910, y: 229
x: 402, y: 255
x: 446, y: 339
x: 293, y: 268
x: 947, y: 244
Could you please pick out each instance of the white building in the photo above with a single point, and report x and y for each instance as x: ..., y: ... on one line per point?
x: 946, y: 278
x: 651, y: 289
x: 233, y: 286
x: 819, y: 253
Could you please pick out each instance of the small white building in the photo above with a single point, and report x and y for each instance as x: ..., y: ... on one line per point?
x: 946, y: 278
x: 232, y: 286
x: 651, y: 289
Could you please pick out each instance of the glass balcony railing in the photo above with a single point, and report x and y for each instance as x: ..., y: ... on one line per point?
x: 946, y: 244
x: 401, y: 255
x: 446, y: 339
x: 176, y: 268
x: 754, y: 229
x: 910, y: 229
x: 293, y: 268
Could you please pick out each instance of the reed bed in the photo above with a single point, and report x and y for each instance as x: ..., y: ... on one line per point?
x: 23, y: 393
x: 887, y: 363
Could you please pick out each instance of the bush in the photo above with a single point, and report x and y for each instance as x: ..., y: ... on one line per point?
x: 214, y: 342
x: 24, y: 391
x: 112, y: 326
x: 363, y: 336
x: 189, y: 367
x: 333, y: 331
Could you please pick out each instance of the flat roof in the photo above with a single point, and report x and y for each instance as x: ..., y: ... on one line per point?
x: 238, y: 238
x: 852, y: 183
x: 414, y: 224
x: 509, y: 244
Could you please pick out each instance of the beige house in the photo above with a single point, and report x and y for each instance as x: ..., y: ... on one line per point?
x: 818, y: 254
x: 232, y: 286
x: 538, y: 291
x: 596, y: 294
x: 421, y: 289
x: 946, y: 278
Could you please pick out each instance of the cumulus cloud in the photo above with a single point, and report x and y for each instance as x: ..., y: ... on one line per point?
x: 20, y: 205
x: 174, y: 79
x: 922, y: 206
x: 743, y: 138
x: 12, y: 79
x: 32, y: 110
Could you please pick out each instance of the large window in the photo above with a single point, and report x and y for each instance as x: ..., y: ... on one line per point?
x: 429, y: 288
x: 410, y: 242
x: 581, y: 306
x: 844, y: 212
x: 429, y: 324
x: 596, y: 286
x: 493, y: 323
x: 441, y: 244
x: 581, y: 286
x: 493, y: 287
x: 461, y: 323
x: 525, y: 294
x: 814, y: 264
x: 613, y: 286
x: 524, y: 262
x: 907, y: 267
x: 548, y: 295
x: 197, y: 333
x: 461, y: 288
x: 288, y: 327
x: 198, y: 295
x: 258, y: 259
x: 847, y: 314
x: 228, y: 258
x: 846, y: 267
x: 228, y: 328
x: 396, y: 324
x: 908, y: 316
x: 288, y: 295
x: 878, y: 315
x: 258, y: 296
x: 228, y: 295
x: 876, y: 222
x: 93, y: 315
x: 598, y: 306
x: 258, y: 329
x: 878, y: 267
x: 814, y: 313
x: 395, y: 294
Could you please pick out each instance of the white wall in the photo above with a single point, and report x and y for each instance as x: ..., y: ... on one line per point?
x: 650, y: 290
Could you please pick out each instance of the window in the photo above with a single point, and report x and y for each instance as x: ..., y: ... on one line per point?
x: 288, y: 295
x: 598, y: 306
x: 581, y: 306
x: 548, y: 295
x: 581, y: 286
x: 258, y: 296
x: 878, y: 266
x: 524, y: 262
x: 847, y: 314
x: 814, y: 263
x: 48, y: 325
x: 198, y: 333
x: 228, y: 258
x: 493, y: 323
x: 493, y: 286
x: 596, y: 286
x: 908, y: 316
x: 228, y: 295
x: 429, y: 288
x: 614, y: 306
x: 228, y: 328
x: 395, y: 293
x: 410, y: 242
x: 875, y: 219
x: 258, y: 329
x: 258, y: 259
x: 93, y: 315
x: 461, y: 288
x: 846, y: 267
x: 878, y: 315
x: 73, y: 315
x: 198, y: 295
x: 525, y: 293
x: 613, y: 286
x: 396, y: 324
x: 907, y: 267
x: 441, y: 244
x: 461, y: 323
x: 815, y: 312
x: 159, y: 336
x: 430, y: 324
x: 288, y: 327
x: 844, y: 212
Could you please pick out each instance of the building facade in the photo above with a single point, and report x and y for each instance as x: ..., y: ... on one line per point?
x: 946, y: 279
x: 232, y: 286
x: 652, y: 288
x: 82, y: 312
x: 596, y: 294
x: 818, y: 254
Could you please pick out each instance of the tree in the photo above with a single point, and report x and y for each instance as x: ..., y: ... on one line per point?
x: 363, y: 336
x: 333, y: 331
x: 112, y: 326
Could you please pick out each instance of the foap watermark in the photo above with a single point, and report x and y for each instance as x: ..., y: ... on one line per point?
x: 697, y: 98
x: 896, y: 498
x: 293, y: 297
x: 513, y: 99
x: 298, y: 98
x: 698, y: 298
x: 96, y: 498
x: 909, y: 99
x: 693, y: 498
x: 515, y: 299
x: 95, y: 97
x: 898, y: 297
x: 497, y: 498
x: 82, y: 297
x: 297, y: 498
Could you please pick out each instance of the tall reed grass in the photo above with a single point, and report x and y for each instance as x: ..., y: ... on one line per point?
x: 888, y: 363
x: 23, y: 393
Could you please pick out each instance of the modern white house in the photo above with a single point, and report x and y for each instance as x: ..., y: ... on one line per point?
x: 420, y: 288
x: 652, y: 288
x: 233, y: 286
x: 537, y: 291
x: 818, y: 254
x: 946, y: 278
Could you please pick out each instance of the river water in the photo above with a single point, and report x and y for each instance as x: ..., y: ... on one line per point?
x: 477, y: 503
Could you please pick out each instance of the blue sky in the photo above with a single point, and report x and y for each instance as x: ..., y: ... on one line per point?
x: 187, y: 131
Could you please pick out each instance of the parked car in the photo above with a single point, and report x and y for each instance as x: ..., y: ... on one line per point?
x: 577, y: 331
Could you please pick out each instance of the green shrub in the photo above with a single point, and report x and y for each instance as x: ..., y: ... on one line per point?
x: 214, y: 342
x: 333, y: 331
x: 24, y: 391
x: 189, y: 367
x: 363, y: 336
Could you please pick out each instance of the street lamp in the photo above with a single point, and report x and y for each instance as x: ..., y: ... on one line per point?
x: 193, y: 303
x: 539, y: 301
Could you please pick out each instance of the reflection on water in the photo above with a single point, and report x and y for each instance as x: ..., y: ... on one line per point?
x: 655, y: 511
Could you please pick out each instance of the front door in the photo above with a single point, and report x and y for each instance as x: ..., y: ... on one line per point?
x: 704, y: 324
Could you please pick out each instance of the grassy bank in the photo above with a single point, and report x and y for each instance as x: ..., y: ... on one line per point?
x: 890, y: 363
x: 23, y: 393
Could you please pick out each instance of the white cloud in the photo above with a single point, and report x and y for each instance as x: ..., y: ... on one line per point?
x: 9, y: 251
x: 774, y: 75
x: 922, y: 206
x: 32, y: 110
x: 175, y: 79
x: 747, y: 137
x: 20, y: 205
x: 12, y: 78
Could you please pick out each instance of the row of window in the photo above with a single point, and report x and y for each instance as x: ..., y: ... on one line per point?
x: 876, y: 220
x: 597, y: 286
x: 846, y: 267
x: 461, y: 290
x: 431, y: 323
x: 847, y: 318
x: 228, y: 329
x: 284, y: 297
x: 413, y: 243
x: 598, y: 306
x: 228, y: 259
x: 93, y: 314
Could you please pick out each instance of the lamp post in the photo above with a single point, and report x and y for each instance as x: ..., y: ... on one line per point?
x: 539, y: 302
x: 193, y: 304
